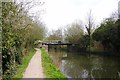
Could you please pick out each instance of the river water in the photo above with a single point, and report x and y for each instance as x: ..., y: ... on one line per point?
x: 81, y: 65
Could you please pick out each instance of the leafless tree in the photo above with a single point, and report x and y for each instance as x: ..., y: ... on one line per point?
x: 90, y: 26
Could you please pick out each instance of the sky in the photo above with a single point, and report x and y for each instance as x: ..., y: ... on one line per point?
x: 59, y: 13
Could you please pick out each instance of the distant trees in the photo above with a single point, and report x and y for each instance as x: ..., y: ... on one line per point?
x: 19, y: 32
x: 73, y: 33
x: 55, y: 35
x: 107, y: 34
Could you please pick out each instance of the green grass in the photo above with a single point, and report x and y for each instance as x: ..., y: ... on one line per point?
x: 21, y: 68
x: 50, y: 70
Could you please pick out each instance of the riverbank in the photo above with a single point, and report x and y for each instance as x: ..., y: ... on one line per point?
x: 22, y: 67
x: 110, y: 54
x: 50, y: 70
x: 94, y: 52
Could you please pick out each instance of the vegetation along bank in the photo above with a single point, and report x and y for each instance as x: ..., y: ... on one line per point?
x: 50, y: 70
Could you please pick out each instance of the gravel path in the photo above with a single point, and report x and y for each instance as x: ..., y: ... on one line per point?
x: 34, y: 69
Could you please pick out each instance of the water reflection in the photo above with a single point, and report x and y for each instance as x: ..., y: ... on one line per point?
x: 84, y: 66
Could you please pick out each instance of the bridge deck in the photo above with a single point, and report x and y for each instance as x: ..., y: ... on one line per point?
x: 58, y: 44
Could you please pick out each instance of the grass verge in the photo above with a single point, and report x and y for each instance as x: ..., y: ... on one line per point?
x: 50, y: 70
x: 21, y: 68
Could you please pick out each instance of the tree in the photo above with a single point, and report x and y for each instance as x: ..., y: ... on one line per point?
x: 115, y: 37
x: 74, y: 33
x: 55, y: 35
x: 19, y: 32
x: 90, y: 28
x: 108, y: 34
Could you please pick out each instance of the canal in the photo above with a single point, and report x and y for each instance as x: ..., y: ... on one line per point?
x: 81, y: 65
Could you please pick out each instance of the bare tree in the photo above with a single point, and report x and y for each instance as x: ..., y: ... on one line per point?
x: 90, y: 27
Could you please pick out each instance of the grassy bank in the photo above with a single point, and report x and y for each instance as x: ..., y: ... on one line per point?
x: 21, y: 68
x: 50, y: 70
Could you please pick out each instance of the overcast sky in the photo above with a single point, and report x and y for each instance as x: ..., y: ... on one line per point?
x: 59, y: 13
